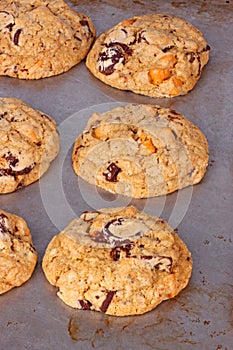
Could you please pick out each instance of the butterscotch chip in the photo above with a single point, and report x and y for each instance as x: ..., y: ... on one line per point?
x: 140, y: 151
x: 41, y: 38
x: 156, y: 55
x: 118, y: 261
x: 29, y: 141
x: 18, y: 256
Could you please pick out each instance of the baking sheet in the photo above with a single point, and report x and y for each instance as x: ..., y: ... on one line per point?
x: 201, y: 316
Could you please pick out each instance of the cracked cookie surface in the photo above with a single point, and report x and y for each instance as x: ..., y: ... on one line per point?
x: 18, y: 256
x: 156, y: 55
x: 29, y: 141
x: 140, y: 151
x: 41, y: 38
x: 118, y: 261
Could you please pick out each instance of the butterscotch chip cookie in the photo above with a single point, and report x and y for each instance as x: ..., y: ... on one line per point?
x: 118, y: 261
x: 156, y: 55
x: 41, y: 38
x: 29, y: 141
x: 140, y: 151
x: 18, y: 256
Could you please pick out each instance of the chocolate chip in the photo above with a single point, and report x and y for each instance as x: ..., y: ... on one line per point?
x: 85, y: 23
x: 112, y: 171
x: 165, y: 49
x: 115, y: 254
x: 146, y: 257
x: 32, y: 248
x: 107, y: 301
x: 175, y: 118
x: 174, y: 112
x: 77, y: 37
x: 191, y: 172
x: 207, y: 48
x: 85, y: 304
x: 20, y: 185
x: 16, y: 36
x: 3, y: 115
x: 10, y: 26
x: 199, y: 65
x: 141, y: 37
x: 174, y: 133
x: 192, y: 57
x: 164, y: 264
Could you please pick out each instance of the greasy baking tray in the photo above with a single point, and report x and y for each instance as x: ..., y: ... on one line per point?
x: 201, y: 316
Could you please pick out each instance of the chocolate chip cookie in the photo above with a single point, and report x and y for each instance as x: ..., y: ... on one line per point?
x: 156, y: 55
x: 41, y: 38
x: 140, y: 151
x: 18, y: 256
x: 29, y: 141
x: 118, y: 261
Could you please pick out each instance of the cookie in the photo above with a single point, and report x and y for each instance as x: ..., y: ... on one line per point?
x: 118, y: 261
x: 41, y: 38
x: 18, y: 256
x: 29, y: 142
x: 155, y: 55
x: 140, y: 151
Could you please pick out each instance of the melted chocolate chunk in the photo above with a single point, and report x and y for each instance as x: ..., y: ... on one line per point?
x: 10, y: 172
x: 115, y: 253
x: 117, y: 222
x: 85, y: 304
x: 16, y: 36
x: 127, y: 248
x: 3, y: 227
x: 115, y: 52
x: 107, y: 301
x: 99, y: 237
x: 12, y: 160
x: 111, y: 174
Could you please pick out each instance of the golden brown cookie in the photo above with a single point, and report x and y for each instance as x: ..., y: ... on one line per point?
x: 41, y: 38
x: 118, y: 261
x: 156, y: 55
x: 140, y: 151
x: 29, y: 141
x: 18, y: 256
